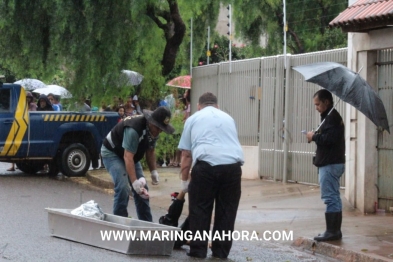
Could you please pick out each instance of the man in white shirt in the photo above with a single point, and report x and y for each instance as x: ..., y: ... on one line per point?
x: 210, y: 144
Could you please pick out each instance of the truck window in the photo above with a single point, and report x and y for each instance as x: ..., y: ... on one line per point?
x: 5, y: 100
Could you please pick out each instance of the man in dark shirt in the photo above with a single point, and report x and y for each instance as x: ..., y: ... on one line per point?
x: 123, y: 148
x: 330, y: 160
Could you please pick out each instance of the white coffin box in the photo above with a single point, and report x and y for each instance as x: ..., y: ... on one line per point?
x: 159, y: 241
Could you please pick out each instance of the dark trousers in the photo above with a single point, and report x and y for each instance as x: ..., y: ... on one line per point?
x: 220, y: 184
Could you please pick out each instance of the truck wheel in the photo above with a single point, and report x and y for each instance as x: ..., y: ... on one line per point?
x: 75, y: 160
x: 30, y: 167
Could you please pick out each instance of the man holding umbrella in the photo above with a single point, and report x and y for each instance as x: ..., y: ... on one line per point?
x: 330, y: 155
x: 330, y: 160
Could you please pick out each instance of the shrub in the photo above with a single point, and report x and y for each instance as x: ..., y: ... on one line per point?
x: 166, y: 146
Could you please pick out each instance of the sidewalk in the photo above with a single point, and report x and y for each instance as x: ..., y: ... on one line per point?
x: 266, y: 207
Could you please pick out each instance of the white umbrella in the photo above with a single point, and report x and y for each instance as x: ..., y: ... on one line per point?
x: 132, y: 77
x: 30, y: 83
x: 54, y: 89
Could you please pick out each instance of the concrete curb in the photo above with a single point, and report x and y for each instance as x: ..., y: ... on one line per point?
x: 329, y: 250
x: 97, y: 181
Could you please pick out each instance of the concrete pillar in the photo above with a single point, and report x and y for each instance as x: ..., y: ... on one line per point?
x: 361, y: 134
x: 367, y: 159
x: 350, y: 134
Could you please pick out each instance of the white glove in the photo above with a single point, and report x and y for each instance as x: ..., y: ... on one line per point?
x: 143, y: 181
x: 184, y: 186
x: 154, y: 177
x: 138, y: 185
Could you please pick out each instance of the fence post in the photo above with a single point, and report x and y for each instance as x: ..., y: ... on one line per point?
x: 286, y: 119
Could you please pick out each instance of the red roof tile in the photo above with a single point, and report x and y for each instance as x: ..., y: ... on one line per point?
x: 365, y: 15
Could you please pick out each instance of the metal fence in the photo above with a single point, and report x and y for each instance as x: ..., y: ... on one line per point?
x: 385, y: 140
x: 260, y: 94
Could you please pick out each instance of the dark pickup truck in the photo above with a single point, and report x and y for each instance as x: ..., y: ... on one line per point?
x: 69, y: 142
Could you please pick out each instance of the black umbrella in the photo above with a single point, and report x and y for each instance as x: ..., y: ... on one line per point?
x: 349, y: 87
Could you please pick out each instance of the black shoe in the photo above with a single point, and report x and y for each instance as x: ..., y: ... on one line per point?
x: 195, y: 255
x: 218, y: 257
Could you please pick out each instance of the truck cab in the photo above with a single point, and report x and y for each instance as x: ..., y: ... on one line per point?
x: 65, y: 140
x: 12, y: 125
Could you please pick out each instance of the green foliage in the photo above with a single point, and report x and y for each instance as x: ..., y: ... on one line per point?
x: 83, y: 45
x: 167, y: 144
x: 307, y: 22
x: 220, y: 51
x: 334, y: 38
x: 89, y: 42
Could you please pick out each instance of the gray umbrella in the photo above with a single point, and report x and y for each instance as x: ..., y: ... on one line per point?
x: 349, y: 87
x: 30, y: 83
x: 132, y: 77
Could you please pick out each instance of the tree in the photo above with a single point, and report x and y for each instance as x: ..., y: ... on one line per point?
x: 220, y: 51
x: 89, y: 42
x: 6, y: 75
x: 307, y: 22
x: 83, y: 44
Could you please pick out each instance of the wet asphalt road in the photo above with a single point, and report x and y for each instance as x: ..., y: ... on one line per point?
x: 24, y: 234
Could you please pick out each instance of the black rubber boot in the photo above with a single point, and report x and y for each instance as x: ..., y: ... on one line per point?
x: 174, y: 212
x: 184, y: 227
x: 333, y: 227
x: 338, y: 225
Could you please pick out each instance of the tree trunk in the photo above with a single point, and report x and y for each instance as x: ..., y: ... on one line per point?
x: 174, y: 31
x: 173, y: 40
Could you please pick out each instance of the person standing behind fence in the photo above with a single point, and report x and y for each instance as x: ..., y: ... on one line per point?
x: 210, y: 144
x: 330, y: 160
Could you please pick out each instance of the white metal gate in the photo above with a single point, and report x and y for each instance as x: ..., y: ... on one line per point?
x: 284, y: 152
x: 385, y: 140
x: 303, y: 116
x: 255, y: 93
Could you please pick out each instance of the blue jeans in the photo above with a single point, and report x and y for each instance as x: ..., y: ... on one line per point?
x: 117, y: 169
x: 329, y: 180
